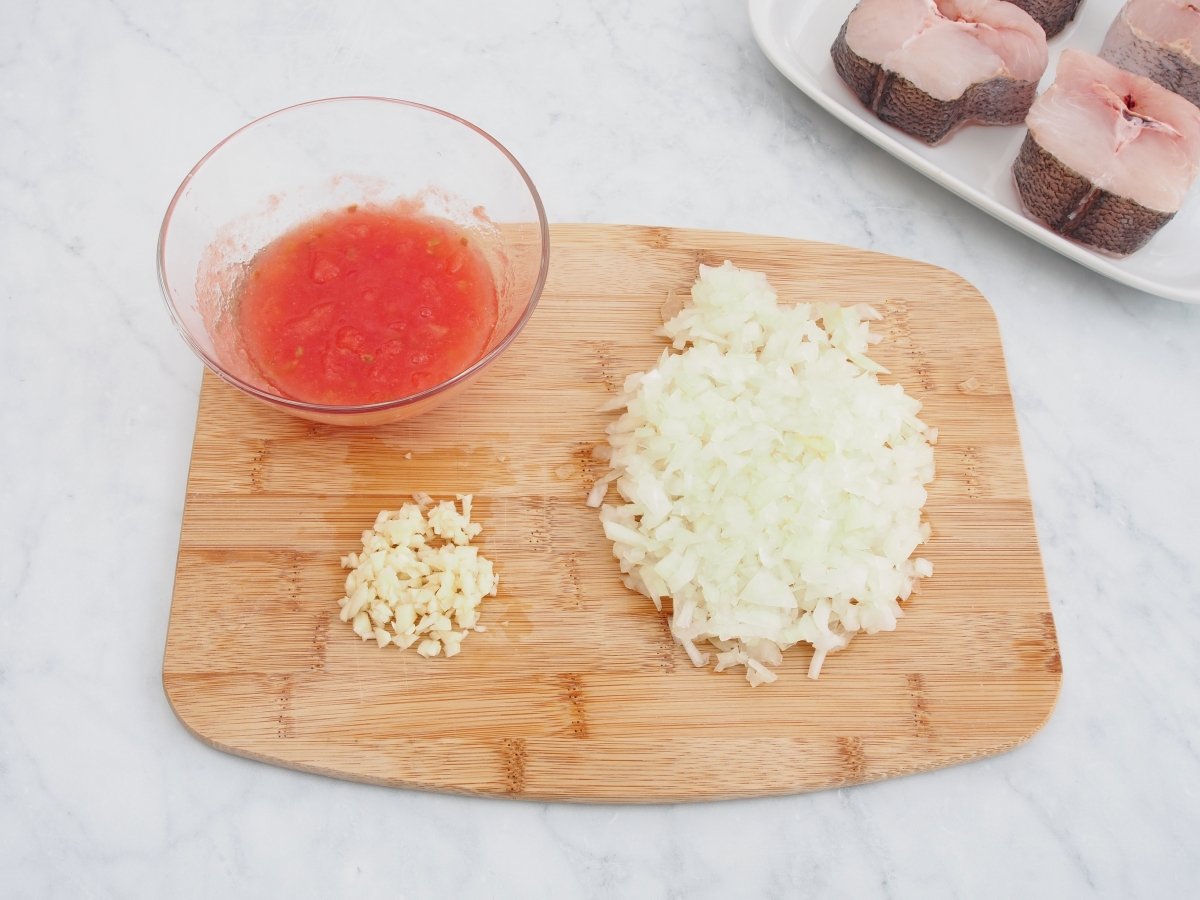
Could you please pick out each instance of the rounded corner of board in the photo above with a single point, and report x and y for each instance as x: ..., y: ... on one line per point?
x: 1047, y: 712
x: 171, y: 690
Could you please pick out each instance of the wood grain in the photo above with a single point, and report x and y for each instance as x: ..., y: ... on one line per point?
x: 576, y: 691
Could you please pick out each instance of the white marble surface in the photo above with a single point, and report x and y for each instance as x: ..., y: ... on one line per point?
x: 659, y: 113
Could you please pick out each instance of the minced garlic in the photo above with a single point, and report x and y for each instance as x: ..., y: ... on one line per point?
x: 417, y: 579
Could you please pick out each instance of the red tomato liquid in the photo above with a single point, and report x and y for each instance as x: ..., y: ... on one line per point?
x: 364, y: 305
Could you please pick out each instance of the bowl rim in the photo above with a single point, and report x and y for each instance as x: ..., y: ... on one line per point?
x: 409, y: 399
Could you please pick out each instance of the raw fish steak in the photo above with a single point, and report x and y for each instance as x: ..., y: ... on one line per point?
x: 1052, y: 15
x: 1161, y: 40
x: 1109, y: 155
x: 929, y: 66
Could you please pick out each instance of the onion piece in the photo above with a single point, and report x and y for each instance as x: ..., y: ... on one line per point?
x: 771, y: 485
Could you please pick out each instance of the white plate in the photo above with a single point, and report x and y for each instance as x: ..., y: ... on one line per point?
x: 975, y: 163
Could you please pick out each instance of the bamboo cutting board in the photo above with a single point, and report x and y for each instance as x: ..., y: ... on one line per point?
x: 576, y: 691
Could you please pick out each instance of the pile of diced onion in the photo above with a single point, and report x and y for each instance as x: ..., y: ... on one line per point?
x: 773, y: 487
x: 417, y: 579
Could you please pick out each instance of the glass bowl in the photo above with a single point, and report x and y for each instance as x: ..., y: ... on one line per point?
x: 291, y: 166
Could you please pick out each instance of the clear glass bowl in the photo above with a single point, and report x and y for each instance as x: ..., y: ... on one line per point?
x: 292, y: 165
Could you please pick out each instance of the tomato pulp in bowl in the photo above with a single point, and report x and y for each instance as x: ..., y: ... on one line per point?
x: 364, y: 305
x: 354, y: 261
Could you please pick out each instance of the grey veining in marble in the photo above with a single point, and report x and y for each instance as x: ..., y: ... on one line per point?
x: 658, y: 113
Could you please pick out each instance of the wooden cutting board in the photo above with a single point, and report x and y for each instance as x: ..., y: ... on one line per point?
x: 576, y: 691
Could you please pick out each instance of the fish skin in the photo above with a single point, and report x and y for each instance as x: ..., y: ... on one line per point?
x: 1074, y: 207
x: 1052, y: 15
x: 990, y: 95
x: 1159, y: 39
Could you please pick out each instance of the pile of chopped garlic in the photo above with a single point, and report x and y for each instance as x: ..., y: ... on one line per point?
x: 418, y: 579
x: 773, y: 487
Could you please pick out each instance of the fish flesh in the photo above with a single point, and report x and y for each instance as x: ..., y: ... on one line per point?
x: 1052, y: 15
x: 1161, y: 40
x: 1109, y: 155
x: 929, y: 66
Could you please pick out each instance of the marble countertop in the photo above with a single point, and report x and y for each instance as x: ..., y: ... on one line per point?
x: 655, y: 113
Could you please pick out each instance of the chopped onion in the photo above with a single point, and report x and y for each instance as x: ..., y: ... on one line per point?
x: 773, y: 487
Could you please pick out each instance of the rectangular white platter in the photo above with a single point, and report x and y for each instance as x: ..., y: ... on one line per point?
x: 975, y: 162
